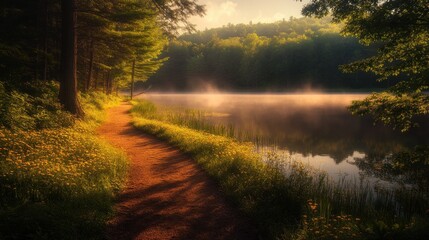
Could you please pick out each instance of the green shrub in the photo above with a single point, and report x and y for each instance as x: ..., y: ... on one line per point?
x: 95, y: 103
x: 27, y: 112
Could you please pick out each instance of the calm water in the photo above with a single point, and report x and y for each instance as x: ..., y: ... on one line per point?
x: 313, y: 128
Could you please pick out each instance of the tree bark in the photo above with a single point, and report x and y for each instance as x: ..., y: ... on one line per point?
x: 39, y: 40
x: 110, y: 85
x: 91, y: 64
x: 106, y: 83
x: 96, y: 79
x: 45, y: 41
x: 132, y: 79
x: 68, y: 80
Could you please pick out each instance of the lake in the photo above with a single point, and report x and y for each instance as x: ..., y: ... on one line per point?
x: 315, y: 129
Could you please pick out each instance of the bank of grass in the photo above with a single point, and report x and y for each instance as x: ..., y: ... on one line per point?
x: 288, y: 200
x: 258, y: 189
x: 57, y: 182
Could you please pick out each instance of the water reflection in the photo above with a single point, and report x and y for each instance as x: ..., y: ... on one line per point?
x: 409, y: 167
x: 313, y: 128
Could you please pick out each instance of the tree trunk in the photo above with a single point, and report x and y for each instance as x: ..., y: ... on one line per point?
x: 45, y: 41
x: 38, y: 41
x: 110, y: 85
x: 132, y: 80
x: 106, y: 83
x: 68, y: 81
x: 96, y: 79
x: 91, y: 64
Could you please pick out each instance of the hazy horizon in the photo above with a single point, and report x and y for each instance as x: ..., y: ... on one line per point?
x: 222, y: 12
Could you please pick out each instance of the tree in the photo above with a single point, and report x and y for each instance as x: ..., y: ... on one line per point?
x: 288, y: 55
x: 173, y: 13
x: 144, y: 42
x: 68, y: 81
x: 400, y: 29
x: 38, y: 41
x: 27, y: 37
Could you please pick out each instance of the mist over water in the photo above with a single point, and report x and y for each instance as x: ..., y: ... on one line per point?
x: 313, y: 128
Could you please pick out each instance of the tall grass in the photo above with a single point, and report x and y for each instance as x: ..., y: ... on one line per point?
x: 288, y: 199
x: 199, y: 120
x: 191, y: 118
x: 59, y: 182
x: 258, y: 189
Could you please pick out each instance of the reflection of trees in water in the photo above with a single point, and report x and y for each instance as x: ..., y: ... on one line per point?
x: 327, y: 130
x: 408, y: 170
x: 405, y: 167
x: 324, y: 128
x: 305, y: 124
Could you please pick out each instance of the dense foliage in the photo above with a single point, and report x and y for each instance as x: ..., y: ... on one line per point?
x: 86, y: 44
x: 286, y: 55
x: 110, y: 35
x: 400, y: 29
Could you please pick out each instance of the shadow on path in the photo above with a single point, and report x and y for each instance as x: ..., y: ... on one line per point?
x: 167, y: 196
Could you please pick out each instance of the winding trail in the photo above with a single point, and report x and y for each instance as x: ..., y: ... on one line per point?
x: 167, y: 196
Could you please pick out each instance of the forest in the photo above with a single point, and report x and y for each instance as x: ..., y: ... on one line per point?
x: 289, y: 55
x: 76, y: 142
x: 62, y: 63
x: 109, y: 41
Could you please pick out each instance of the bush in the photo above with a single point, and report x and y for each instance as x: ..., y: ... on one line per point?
x: 20, y: 110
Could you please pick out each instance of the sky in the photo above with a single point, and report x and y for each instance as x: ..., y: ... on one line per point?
x: 222, y: 12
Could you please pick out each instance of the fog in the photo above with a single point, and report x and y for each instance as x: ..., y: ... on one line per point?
x: 315, y: 128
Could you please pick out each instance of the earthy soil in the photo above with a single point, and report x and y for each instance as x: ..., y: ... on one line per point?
x: 167, y: 196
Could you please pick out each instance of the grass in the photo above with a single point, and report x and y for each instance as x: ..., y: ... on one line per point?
x: 287, y: 199
x: 195, y: 119
x: 59, y: 183
x: 255, y: 187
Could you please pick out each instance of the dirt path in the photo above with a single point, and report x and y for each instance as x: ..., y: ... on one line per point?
x: 167, y: 196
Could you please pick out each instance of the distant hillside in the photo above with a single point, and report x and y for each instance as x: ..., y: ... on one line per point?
x: 285, y: 55
x: 293, y: 27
